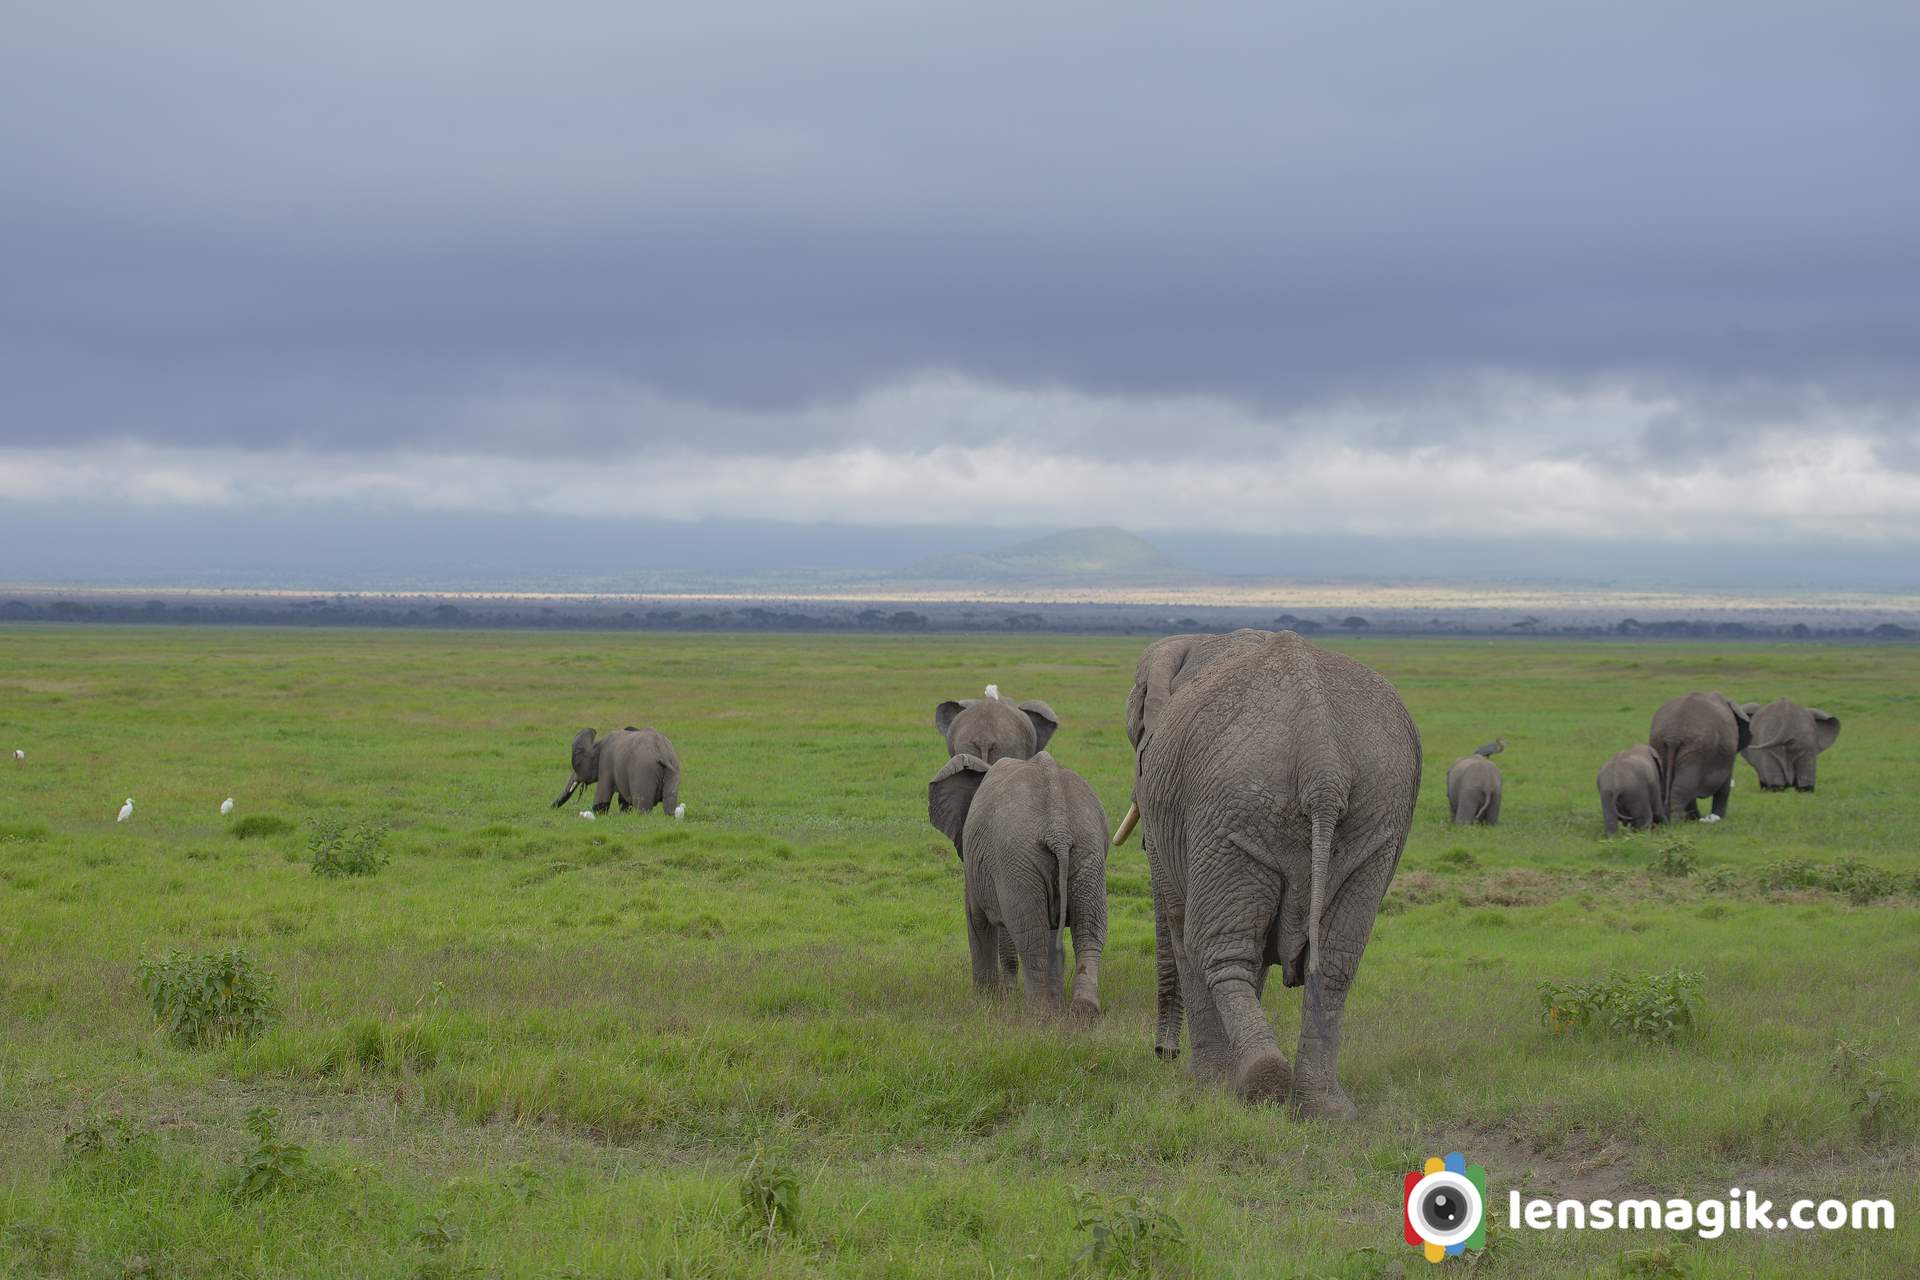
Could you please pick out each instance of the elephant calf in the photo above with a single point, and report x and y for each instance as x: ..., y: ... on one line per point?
x: 638, y: 765
x: 1631, y: 790
x: 1032, y: 840
x: 994, y: 728
x: 1473, y: 789
x: 1786, y: 739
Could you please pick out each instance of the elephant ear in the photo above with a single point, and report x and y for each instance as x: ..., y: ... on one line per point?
x: 1044, y: 722
x: 1741, y: 721
x: 1749, y: 708
x: 950, y: 796
x: 1153, y: 683
x: 944, y: 713
x: 1826, y: 728
x: 586, y: 757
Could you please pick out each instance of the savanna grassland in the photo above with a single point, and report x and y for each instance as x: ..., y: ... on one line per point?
x: 529, y: 1045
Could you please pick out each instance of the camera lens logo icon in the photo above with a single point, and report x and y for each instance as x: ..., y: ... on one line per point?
x: 1446, y: 1207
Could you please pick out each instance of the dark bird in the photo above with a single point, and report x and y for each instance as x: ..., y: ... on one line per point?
x: 1493, y: 748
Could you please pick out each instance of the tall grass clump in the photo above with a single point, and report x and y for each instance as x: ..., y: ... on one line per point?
x: 1653, y: 1008
x: 204, y: 999
x: 339, y: 850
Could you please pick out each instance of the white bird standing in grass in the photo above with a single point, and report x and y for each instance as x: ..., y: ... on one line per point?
x: 993, y: 691
x: 226, y: 806
x: 679, y: 812
x: 126, y: 810
x: 19, y: 755
x: 587, y: 814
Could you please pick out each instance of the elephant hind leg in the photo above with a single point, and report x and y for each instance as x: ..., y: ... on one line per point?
x: 1232, y: 901
x: 1349, y: 922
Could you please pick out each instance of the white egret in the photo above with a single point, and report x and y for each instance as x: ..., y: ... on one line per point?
x: 679, y: 811
x: 993, y: 691
x: 126, y: 810
x: 19, y: 755
x: 587, y: 814
x: 226, y: 806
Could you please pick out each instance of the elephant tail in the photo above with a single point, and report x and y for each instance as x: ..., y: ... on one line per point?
x: 1324, y: 816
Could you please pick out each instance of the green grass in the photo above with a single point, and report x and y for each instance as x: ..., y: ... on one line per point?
x: 536, y: 1046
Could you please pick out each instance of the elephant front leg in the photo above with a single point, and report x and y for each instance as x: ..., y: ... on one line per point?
x: 1232, y: 900
x: 1720, y: 797
x: 1343, y: 936
x: 983, y: 943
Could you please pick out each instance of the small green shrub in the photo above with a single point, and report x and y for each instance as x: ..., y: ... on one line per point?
x: 339, y: 850
x: 256, y: 826
x: 204, y: 999
x: 769, y: 1199
x: 1458, y: 858
x: 273, y: 1166
x: 1879, y: 1104
x: 104, y: 1134
x: 1720, y: 880
x: 1675, y: 859
x: 1858, y: 881
x: 1650, y: 1007
x: 1126, y: 1235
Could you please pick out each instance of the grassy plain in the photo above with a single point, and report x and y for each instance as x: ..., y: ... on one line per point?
x: 536, y: 1046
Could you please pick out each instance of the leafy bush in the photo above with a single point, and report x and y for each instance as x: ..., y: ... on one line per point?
x: 1651, y: 1007
x: 1720, y: 880
x: 105, y: 1134
x: 1880, y: 1104
x: 339, y: 850
x: 256, y: 825
x: 204, y: 999
x: 1676, y: 859
x: 1860, y: 882
x: 273, y: 1166
x: 769, y: 1199
x: 1127, y: 1235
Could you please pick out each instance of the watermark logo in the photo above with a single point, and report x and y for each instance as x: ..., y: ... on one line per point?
x: 1445, y: 1207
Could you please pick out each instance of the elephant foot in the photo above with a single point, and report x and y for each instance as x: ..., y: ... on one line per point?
x: 1808, y: 790
x: 1214, y: 1066
x: 1164, y: 1051
x: 1323, y: 1102
x: 1084, y: 1009
x: 1265, y: 1077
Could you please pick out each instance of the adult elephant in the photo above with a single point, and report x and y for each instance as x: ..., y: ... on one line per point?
x: 1695, y: 739
x: 993, y: 728
x: 638, y: 765
x: 1787, y: 739
x: 1473, y: 790
x: 1275, y: 787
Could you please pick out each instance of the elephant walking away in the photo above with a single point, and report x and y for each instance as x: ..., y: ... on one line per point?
x: 1032, y: 840
x: 1275, y: 787
x: 1473, y: 789
x: 1696, y: 739
x: 638, y: 765
x: 1787, y: 739
x: 995, y: 728
x: 1631, y: 790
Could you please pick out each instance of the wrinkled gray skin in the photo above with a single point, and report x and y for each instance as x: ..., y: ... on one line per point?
x: 1276, y: 785
x: 638, y: 765
x: 995, y: 729
x: 1787, y: 738
x: 1032, y: 839
x: 1473, y: 790
x: 1696, y: 739
x: 1631, y: 790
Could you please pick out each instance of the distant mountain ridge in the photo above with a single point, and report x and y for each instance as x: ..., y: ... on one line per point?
x: 1104, y: 553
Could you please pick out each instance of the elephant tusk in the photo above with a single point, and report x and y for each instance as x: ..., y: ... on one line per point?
x: 1127, y: 824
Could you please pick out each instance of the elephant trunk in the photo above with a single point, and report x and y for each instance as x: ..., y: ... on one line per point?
x: 573, y: 784
x: 1127, y: 824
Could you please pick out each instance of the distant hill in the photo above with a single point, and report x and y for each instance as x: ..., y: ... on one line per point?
x: 1103, y: 554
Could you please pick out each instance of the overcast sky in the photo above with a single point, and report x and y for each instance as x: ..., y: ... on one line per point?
x: 1623, y: 271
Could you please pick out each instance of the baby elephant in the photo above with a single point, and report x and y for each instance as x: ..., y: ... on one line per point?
x: 639, y: 765
x: 1786, y: 739
x: 995, y: 728
x: 1473, y: 786
x: 1032, y: 840
x: 1632, y: 790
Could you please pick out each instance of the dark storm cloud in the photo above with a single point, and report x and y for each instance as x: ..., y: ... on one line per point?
x: 531, y: 228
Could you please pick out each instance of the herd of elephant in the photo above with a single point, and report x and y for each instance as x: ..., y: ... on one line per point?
x: 1274, y: 789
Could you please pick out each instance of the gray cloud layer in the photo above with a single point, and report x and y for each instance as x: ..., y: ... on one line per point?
x: 485, y: 229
